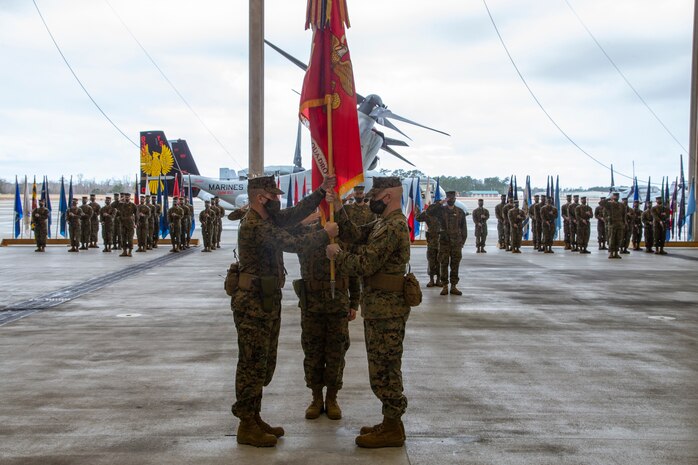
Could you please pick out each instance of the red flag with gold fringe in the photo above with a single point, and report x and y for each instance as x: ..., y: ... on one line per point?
x: 328, y: 98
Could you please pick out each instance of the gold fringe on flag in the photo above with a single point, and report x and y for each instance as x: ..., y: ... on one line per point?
x: 319, y: 12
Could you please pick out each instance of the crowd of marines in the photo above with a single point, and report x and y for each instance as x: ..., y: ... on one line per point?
x: 120, y: 219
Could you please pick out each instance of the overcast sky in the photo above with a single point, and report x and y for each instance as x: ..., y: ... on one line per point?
x: 440, y: 65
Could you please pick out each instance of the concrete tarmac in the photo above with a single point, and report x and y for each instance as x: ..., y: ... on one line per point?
x: 546, y: 359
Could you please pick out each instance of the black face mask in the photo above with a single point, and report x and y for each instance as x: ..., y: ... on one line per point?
x: 451, y: 202
x: 273, y: 207
x: 377, y: 206
x: 360, y: 200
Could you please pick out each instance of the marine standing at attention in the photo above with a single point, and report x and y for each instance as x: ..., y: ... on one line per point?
x: 480, y: 217
x: 600, y: 224
x: 127, y: 213
x: 75, y: 221
x: 256, y: 303
x: 648, y: 227
x: 174, y: 216
x: 86, y: 223
x: 500, y: 221
x: 382, y: 264
x: 106, y: 216
x: 142, y: 215
x: 432, y: 235
x: 516, y: 219
x: 564, y: 212
x: 39, y: 220
x: 583, y: 214
x: 614, y: 217
x: 94, y: 222
x: 452, y: 237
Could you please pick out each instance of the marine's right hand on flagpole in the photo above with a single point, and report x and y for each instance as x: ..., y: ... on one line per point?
x: 329, y: 183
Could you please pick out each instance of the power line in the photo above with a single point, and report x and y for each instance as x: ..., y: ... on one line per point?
x: 78, y: 79
x: 162, y: 73
x: 624, y: 77
x: 530, y: 91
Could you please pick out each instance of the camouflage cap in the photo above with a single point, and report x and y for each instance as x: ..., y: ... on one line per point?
x: 576, y: 196
x: 359, y: 188
x: 602, y: 198
x: 537, y: 196
x: 569, y: 196
x: 657, y: 198
x: 450, y: 193
x: 583, y: 197
x: 266, y: 183
x: 383, y: 182
x: 84, y: 196
x: 93, y: 195
x: 107, y: 198
x: 616, y: 194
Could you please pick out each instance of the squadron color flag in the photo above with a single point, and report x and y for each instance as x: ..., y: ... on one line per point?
x: 328, y: 98
x: 18, y: 210
x: 62, y: 210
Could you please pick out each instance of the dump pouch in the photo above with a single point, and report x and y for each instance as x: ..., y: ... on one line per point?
x: 232, y: 279
x: 412, y: 291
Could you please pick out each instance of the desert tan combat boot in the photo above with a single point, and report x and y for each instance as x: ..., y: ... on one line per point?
x: 316, y: 406
x: 455, y: 291
x: 250, y: 433
x: 444, y: 291
x: 371, y: 429
x: 431, y: 282
x: 390, y: 433
x: 331, y: 406
x: 277, y: 431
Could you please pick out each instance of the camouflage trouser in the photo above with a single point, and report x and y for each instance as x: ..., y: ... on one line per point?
x: 75, y: 234
x: 601, y: 232
x: 548, y: 234
x: 384, y: 339
x: 219, y: 230
x: 450, y: 253
x: 507, y: 234
x: 615, y: 237
x: 325, y: 341
x: 117, y: 233
x: 107, y: 228
x: 534, y: 233
x: 258, y: 340
x: 568, y: 232
x: 94, y: 230
x: 85, y: 231
x: 583, y: 233
x: 156, y: 230
x: 500, y: 232
x: 214, y: 232
x: 149, y: 234
x: 141, y: 233
x: 206, y: 235
x: 637, y: 235
x: 127, y: 234
x: 573, y: 234
x: 627, y: 234
x: 516, y: 234
x: 40, y: 234
x: 649, y: 236
x: 659, y: 235
x: 174, y: 234
x: 480, y: 235
x: 186, y: 227
x: 433, y: 258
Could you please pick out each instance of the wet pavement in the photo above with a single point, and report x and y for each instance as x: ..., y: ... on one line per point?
x: 545, y: 359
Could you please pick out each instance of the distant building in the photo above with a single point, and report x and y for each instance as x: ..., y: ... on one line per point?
x: 482, y: 194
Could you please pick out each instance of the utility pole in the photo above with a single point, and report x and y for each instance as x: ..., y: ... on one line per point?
x: 256, y: 98
x: 693, y: 130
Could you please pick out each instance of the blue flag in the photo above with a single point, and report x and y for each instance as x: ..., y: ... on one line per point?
x: 62, y: 209
x: 18, y: 209
x: 70, y: 193
x: 691, y: 208
x: 289, y: 196
x: 437, y: 191
x: 527, y: 205
x: 48, y: 205
x: 417, y: 207
x: 516, y: 190
x: 191, y: 202
x: 649, y: 188
x: 164, y: 223
x: 510, y: 192
x: 613, y: 184
x: 636, y: 191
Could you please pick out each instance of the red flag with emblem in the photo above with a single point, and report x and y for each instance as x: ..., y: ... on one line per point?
x: 328, y: 98
x: 175, y: 191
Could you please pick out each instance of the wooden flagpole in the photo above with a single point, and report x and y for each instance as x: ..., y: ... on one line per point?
x: 330, y: 169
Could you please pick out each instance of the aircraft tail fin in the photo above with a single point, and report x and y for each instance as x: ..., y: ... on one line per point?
x: 164, y: 160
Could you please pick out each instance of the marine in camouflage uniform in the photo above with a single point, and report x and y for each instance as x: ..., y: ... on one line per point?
x: 564, y: 212
x: 648, y: 226
x: 106, y: 216
x: 516, y: 219
x: 116, y: 236
x: 256, y: 304
x: 600, y: 224
x: 548, y: 215
x: 583, y: 214
x: 532, y: 215
x: 75, y: 215
x: 174, y: 216
x: 614, y: 217
x: 156, y: 220
x: 237, y: 215
x: 206, y: 222
x: 382, y: 264
x: 86, y: 223
x: 507, y: 227
x: 185, y: 224
x: 433, y: 231
x: 214, y: 232
x: 572, y: 213
x: 39, y: 220
x: 480, y: 217
x: 454, y: 232
x: 151, y: 223
x: 127, y: 213
x: 191, y: 216
x: 500, y: 222
x: 628, y: 229
x: 324, y: 322
x: 142, y: 217
x: 539, y: 224
x: 94, y: 222
x: 220, y: 211
x: 360, y: 214
x: 660, y: 221
x: 636, y: 225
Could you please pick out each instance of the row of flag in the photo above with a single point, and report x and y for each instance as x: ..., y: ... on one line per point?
x: 22, y: 209
x: 293, y: 196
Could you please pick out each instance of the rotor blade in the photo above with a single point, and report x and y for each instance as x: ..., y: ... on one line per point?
x: 386, y: 122
x: 397, y: 155
x: 389, y: 141
x: 390, y: 114
x: 359, y: 98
